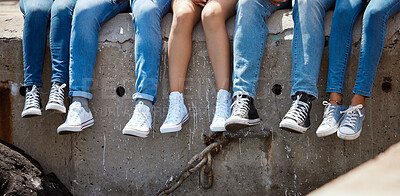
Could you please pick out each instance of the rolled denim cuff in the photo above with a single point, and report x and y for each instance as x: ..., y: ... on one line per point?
x: 363, y: 93
x: 144, y: 96
x: 294, y: 91
x: 39, y: 84
x: 334, y: 90
x: 243, y: 93
x: 80, y: 94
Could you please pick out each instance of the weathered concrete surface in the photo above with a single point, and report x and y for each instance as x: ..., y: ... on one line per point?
x: 101, y: 161
x: 379, y: 176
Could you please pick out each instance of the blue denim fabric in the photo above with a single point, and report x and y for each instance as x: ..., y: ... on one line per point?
x: 308, y: 44
x: 37, y: 14
x: 89, y: 16
x: 249, y: 42
x: 147, y: 17
x: 373, y: 36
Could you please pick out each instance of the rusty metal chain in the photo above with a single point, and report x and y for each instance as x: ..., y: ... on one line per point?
x: 201, y: 160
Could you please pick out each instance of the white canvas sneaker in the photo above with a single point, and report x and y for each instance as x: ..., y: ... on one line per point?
x: 140, y: 123
x: 222, y: 110
x: 177, y: 114
x: 56, y: 98
x: 77, y: 119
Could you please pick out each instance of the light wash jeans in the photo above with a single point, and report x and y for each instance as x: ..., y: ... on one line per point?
x: 89, y: 16
x: 377, y: 12
x: 308, y: 44
x: 249, y: 42
x: 37, y: 14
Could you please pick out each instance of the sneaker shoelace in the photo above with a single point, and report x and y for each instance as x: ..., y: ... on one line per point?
x: 298, y: 111
x: 352, y: 116
x: 221, y: 110
x: 173, y: 111
x: 57, y: 94
x: 240, y: 107
x: 32, y: 98
x: 328, y: 113
x: 140, y: 118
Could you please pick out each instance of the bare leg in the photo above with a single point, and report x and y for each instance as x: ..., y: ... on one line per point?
x: 357, y: 100
x: 185, y: 16
x: 335, y: 98
x: 214, y: 15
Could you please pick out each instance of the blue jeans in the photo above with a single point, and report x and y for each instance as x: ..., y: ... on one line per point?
x: 37, y: 14
x: 373, y: 37
x: 308, y: 44
x: 89, y: 16
x: 249, y: 42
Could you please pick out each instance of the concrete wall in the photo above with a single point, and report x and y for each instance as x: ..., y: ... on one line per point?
x: 102, y: 161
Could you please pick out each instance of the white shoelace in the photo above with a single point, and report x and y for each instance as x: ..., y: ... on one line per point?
x: 328, y: 112
x: 173, y: 111
x: 221, y: 110
x: 57, y: 94
x: 240, y: 106
x: 298, y: 111
x: 352, y: 115
x: 140, y: 117
x: 32, y: 98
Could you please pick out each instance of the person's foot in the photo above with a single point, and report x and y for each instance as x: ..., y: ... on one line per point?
x: 33, y: 103
x: 177, y: 114
x: 244, y: 114
x: 297, y: 119
x: 351, y: 126
x: 332, y: 117
x: 77, y: 119
x: 222, y: 110
x: 56, y: 98
x: 140, y: 123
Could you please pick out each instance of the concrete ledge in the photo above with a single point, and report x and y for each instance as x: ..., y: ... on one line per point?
x: 101, y: 161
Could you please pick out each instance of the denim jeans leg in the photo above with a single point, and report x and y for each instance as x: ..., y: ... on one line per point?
x: 87, y: 20
x: 147, y: 17
x: 340, y: 41
x: 308, y: 44
x: 249, y: 42
x: 36, y: 14
x: 372, y: 42
x: 60, y: 31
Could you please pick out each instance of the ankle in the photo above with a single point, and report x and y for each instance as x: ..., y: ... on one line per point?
x: 83, y: 101
x: 335, y: 102
x: 146, y: 102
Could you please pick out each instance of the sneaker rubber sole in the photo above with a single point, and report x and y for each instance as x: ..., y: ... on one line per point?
x: 327, y: 132
x: 237, y: 123
x: 56, y: 107
x: 68, y: 129
x: 291, y: 126
x: 31, y: 112
x: 174, y: 128
x: 135, y: 132
x: 347, y: 136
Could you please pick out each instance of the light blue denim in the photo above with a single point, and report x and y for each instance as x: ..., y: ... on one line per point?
x: 308, y: 44
x: 37, y: 14
x: 249, y: 42
x: 88, y: 18
x: 376, y: 14
x: 147, y: 15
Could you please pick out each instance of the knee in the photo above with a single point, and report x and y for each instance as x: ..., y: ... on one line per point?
x: 211, y: 18
x: 145, y: 11
x: 373, y: 15
x: 307, y: 6
x: 183, y: 16
x: 60, y: 8
x: 343, y: 14
x: 35, y: 10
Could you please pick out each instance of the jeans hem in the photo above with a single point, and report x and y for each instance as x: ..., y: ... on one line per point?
x: 59, y: 80
x: 294, y: 91
x: 363, y: 93
x: 334, y: 90
x: 80, y: 94
x: 144, y: 96
x: 243, y: 93
x: 39, y: 84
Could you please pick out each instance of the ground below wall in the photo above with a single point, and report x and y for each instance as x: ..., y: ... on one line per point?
x: 102, y: 161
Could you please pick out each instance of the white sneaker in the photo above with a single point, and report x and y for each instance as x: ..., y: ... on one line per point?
x: 33, y: 105
x: 56, y: 98
x: 140, y: 123
x: 177, y: 114
x: 77, y: 119
x: 222, y: 110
